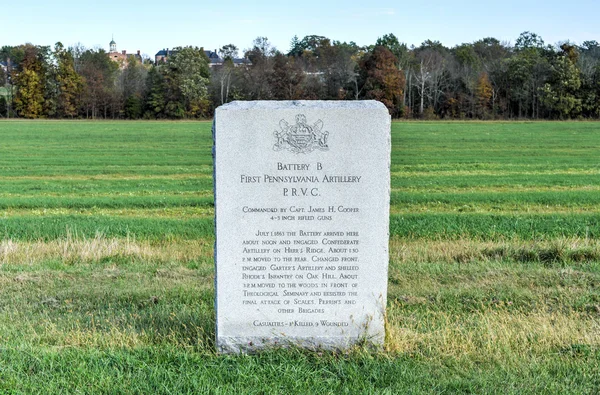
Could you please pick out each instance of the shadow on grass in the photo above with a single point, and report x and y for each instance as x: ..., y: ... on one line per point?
x: 182, y: 316
x: 189, y: 328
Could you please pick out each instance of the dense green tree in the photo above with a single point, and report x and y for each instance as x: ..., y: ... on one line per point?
x: 590, y: 93
x: 133, y: 107
x: 313, y: 54
x: 588, y: 64
x: 529, y: 40
x: 286, y: 79
x: 187, y: 78
x: 155, y: 103
x: 3, y: 93
x: 529, y: 70
x: 313, y: 43
x: 3, y: 106
x: 295, y: 47
x: 559, y: 94
x: 69, y: 83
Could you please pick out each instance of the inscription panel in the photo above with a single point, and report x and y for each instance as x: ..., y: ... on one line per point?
x: 302, y: 223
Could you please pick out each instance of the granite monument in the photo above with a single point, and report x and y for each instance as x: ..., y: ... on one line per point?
x: 302, y: 193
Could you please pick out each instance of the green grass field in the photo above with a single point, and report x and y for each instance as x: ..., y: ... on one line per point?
x: 106, y: 270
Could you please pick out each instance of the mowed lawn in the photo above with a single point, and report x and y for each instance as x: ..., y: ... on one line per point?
x: 106, y: 269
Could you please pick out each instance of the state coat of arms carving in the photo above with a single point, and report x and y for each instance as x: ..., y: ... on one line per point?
x: 301, y: 137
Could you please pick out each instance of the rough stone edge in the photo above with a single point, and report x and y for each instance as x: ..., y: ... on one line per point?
x: 253, y: 344
x: 389, y: 201
x: 309, y: 104
x: 214, y: 153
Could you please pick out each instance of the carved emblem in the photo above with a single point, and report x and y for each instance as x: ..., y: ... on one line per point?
x: 301, y: 137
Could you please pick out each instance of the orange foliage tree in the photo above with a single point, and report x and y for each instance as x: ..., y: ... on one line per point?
x: 382, y: 79
x: 484, y: 92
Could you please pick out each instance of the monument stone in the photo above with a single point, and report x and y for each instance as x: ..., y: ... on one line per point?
x: 302, y: 193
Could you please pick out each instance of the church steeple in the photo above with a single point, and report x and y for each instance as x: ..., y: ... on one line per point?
x: 113, y: 45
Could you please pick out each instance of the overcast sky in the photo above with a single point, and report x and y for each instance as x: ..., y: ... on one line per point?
x: 151, y: 25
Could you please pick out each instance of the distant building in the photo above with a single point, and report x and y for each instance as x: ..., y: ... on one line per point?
x: 122, y: 57
x: 6, y: 69
x: 213, y: 57
x: 163, y: 55
x: 5, y: 65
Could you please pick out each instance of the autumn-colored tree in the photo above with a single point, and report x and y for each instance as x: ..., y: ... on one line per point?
x: 492, y: 55
x: 382, y: 79
x: 401, y: 52
x: 29, y: 99
x: 480, y: 79
x: 483, y: 92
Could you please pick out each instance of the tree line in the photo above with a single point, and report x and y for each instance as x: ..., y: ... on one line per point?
x: 486, y: 79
